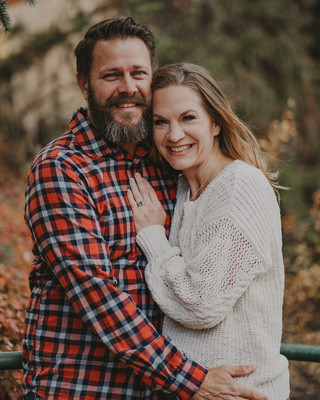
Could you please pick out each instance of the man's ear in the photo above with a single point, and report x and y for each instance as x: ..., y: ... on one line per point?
x: 83, y: 85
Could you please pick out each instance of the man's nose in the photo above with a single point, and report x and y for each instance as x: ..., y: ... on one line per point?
x: 175, y: 133
x: 128, y: 85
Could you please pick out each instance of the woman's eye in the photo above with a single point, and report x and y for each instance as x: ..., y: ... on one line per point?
x: 159, y: 122
x: 188, y: 117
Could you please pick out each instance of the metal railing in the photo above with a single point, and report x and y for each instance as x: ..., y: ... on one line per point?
x: 298, y: 352
x: 301, y: 352
x: 10, y: 360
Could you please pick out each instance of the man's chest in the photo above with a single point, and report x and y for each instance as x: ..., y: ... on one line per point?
x: 109, y: 184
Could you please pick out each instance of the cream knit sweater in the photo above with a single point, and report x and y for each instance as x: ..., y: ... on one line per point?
x: 220, y: 277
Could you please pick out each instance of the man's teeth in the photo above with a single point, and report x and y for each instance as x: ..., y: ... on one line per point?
x: 126, y: 105
x: 180, y: 149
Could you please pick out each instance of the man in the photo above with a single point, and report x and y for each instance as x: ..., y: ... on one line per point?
x: 92, y: 329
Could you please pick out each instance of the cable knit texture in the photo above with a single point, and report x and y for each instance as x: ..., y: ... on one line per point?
x: 220, y: 277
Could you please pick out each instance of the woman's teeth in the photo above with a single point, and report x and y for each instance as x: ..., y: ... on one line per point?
x: 180, y: 149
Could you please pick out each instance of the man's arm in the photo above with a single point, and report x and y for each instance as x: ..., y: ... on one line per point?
x: 62, y: 217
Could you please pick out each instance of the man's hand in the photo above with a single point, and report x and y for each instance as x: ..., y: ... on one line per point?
x: 220, y: 385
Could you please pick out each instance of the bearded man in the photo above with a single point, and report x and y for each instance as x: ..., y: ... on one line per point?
x: 92, y: 330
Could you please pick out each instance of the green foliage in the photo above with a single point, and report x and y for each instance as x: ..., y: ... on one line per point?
x: 80, y: 20
x: 300, y: 226
x: 36, y: 45
x: 301, y: 181
x: 4, y: 16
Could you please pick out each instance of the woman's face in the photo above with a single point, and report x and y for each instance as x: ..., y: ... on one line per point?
x: 183, y: 131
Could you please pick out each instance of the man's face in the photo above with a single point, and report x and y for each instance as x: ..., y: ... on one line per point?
x: 118, y: 91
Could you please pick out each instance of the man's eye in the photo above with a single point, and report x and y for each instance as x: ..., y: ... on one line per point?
x: 139, y: 73
x: 110, y: 76
x: 158, y: 122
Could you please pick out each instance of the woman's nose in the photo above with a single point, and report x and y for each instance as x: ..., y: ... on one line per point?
x: 175, y: 133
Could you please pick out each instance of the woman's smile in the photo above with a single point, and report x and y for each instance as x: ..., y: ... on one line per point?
x: 180, y: 150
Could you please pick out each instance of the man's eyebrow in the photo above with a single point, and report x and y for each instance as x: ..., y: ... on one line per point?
x: 112, y: 69
x: 140, y: 66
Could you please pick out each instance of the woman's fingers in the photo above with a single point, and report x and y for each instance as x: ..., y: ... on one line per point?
x: 132, y: 200
x: 135, y: 187
x: 143, y: 186
x: 146, y: 208
x: 146, y: 189
x: 142, y: 190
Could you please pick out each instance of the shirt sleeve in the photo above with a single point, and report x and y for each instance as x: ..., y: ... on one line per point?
x: 62, y: 217
x: 198, y: 290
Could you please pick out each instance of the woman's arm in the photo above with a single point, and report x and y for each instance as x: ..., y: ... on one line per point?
x: 197, y: 289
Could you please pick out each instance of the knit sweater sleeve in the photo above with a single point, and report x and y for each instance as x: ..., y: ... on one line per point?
x: 197, y: 285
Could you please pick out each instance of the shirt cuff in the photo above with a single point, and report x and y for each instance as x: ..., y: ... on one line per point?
x: 186, y: 381
x: 153, y: 241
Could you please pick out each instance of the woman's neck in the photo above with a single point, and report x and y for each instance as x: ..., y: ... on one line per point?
x: 199, y: 178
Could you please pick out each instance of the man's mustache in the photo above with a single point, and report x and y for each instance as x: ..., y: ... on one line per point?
x: 136, y: 98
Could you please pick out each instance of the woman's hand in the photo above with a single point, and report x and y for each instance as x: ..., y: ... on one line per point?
x: 146, y: 207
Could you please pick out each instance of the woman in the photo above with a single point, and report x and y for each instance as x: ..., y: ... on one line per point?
x: 220, y: 277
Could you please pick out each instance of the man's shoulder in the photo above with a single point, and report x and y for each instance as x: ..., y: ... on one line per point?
x: 71, y: 143
x: 61, y: 147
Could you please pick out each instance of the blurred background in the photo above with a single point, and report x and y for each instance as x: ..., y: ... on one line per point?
x: 265, y: 54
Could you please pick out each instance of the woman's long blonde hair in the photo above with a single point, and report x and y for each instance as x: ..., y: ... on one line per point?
x: 235, y: 139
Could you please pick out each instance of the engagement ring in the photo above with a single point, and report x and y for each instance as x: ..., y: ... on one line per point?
x: 141, y: 203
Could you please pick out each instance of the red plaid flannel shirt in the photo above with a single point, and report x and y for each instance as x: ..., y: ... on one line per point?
x: 90, y: 330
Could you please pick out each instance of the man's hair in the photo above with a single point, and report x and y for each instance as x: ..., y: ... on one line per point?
x: 113, y: 28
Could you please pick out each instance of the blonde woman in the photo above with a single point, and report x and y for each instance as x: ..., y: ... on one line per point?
x: 220, y: 277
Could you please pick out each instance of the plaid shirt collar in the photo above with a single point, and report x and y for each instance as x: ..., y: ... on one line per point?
x: 94, y: 145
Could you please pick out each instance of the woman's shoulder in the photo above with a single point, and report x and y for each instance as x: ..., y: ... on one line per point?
x: 242, y: 188
x: 240, y: 179
x: 238, y: 184
x: 249, y: 173
x: 250, y: 182
x: 253, y: 202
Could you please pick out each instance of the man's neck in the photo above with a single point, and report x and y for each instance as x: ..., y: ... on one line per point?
x: 129, y: 148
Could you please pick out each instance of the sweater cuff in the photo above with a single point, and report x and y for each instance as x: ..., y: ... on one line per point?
x: 153, y: 241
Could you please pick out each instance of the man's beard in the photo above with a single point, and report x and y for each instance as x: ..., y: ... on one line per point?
x: 116, y: 132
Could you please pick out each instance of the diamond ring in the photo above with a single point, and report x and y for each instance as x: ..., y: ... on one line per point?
x: 141, y: 203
